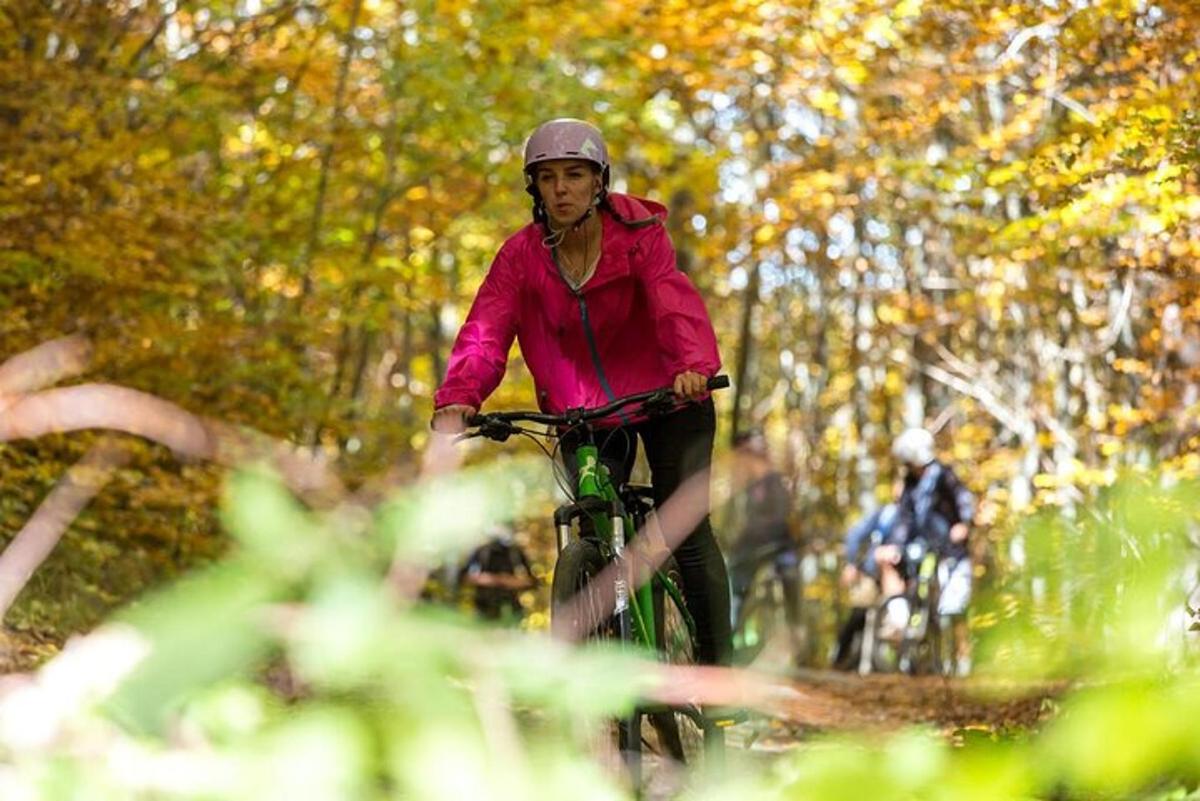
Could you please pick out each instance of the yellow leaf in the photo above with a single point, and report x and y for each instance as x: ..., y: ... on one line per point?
x: 825, y: 100
x: 1131, y: 366
x: 853, y: 74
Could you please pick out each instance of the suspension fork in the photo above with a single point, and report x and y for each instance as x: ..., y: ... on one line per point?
x: 598, y: 500
x: 564, y: 533
x: 635, y: 602
x: 645, y: 611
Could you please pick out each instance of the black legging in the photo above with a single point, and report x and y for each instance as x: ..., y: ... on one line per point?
x: 678, y: 445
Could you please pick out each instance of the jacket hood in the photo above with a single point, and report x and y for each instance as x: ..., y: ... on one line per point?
x: 635, y: 209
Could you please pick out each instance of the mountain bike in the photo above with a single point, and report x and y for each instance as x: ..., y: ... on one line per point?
x: 925, y: 640
x: 641, y: 604
x: 772, y: 608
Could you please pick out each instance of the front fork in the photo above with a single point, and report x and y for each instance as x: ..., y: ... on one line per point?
x: 621, y: 606
x: 632, y: 610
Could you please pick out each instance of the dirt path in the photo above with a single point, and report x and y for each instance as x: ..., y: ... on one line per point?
x: 829, y: 701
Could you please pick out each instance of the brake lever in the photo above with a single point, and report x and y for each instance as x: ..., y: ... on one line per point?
x: 659, y: 403
x: 495, y: 430
x: 499, y: 432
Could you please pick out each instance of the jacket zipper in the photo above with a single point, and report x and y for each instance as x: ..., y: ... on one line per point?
x: 587, y: 333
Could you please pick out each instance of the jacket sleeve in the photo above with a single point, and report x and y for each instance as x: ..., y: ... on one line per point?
x: 858, y: 536
x: 684, y: 331
x: 480, y: 354
x: 902, y: 527
x: 523, y: 560
x: 778, y: 501
x: 964, y: 499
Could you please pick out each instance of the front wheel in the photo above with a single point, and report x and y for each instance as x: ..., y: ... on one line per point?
x: 764, y: 619
x: 582, y: 610
x: 578, y: 610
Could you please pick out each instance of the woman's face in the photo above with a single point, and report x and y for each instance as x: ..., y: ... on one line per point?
x: 567, y: 187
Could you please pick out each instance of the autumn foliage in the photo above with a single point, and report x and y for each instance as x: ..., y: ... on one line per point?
x: 980, y: 216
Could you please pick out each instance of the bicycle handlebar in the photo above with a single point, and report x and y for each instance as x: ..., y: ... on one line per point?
x: 499, y: 425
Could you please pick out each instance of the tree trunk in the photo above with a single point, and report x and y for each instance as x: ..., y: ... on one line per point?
x: 743, y: 394
x: 350, y: 45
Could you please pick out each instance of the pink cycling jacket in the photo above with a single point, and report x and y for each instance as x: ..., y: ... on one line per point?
x: 647, y: 322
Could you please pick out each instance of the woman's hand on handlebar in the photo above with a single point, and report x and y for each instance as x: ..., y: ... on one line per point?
x: 440, y: 454
x: 691, y: 385
x: 452, y: 419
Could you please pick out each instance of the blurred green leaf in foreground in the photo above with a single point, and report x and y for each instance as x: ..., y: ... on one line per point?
x: 386, y: 697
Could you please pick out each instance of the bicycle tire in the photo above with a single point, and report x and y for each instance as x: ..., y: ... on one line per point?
x: 680, y: 733
x: 884, y: 653
x: 801, y: 618
x: 572, y: 593
x: 922, y: 657
x: 923, y: 654
x: 763, y: 617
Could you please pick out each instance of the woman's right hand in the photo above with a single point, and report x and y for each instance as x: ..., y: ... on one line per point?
x: 452, y: 419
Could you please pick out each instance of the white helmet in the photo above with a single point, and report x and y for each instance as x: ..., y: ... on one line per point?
x: 914, y: 447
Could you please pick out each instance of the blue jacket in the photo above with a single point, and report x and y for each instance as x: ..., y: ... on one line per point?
x: 872, y: 530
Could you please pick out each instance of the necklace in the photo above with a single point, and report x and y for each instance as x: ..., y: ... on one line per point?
x: 577, y: 274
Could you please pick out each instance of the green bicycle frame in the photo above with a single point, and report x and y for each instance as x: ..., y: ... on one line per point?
x: 595, y: 482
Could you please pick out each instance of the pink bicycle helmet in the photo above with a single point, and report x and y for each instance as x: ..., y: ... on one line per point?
x: 566, y: 138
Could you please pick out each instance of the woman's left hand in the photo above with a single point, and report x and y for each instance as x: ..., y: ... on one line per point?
x: 690, y: 385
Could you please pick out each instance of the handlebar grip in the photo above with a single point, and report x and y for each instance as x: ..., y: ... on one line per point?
x: 718, y: 382
x: 474, y: 420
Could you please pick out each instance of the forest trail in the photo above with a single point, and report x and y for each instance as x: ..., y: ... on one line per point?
x: 830, y: 701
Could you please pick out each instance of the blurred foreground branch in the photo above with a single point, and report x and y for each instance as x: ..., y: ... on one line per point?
x: 42, y: 532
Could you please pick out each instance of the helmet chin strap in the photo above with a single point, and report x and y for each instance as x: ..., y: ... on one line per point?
x: 579, y: 223
x: 556, y: 235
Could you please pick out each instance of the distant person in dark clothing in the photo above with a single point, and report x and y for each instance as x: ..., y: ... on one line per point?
x: 497, y: 572
x: 762, y: 508
x: 936, y: 508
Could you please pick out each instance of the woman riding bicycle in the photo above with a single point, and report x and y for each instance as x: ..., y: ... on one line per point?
x: 591, y: 292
